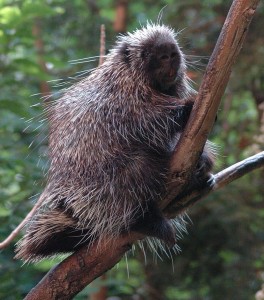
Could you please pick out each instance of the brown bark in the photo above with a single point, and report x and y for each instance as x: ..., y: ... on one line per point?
x: 222, y: 178
x: 78, y: 270
x: 68, y: 278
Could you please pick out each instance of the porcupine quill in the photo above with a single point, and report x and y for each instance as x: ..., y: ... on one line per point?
x: 111, y: 137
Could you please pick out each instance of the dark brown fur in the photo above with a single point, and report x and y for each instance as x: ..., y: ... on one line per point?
x: 111, y: 140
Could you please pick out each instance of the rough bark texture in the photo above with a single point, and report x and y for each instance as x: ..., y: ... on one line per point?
x: 73, y: 274
x: 69, y: 277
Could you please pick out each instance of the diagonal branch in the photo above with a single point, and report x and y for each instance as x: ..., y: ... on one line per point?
x: 217, y: 74
x: 16, y: 231
x: 69, y: 277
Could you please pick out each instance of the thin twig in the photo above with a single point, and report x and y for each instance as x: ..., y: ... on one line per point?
x: 222, y: 178
x: 238, y: 170
x: 102, y: 45
x: 16, y: 231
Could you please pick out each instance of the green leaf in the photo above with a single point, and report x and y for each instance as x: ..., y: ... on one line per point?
x: 9, y: 15
x: 37, y: 9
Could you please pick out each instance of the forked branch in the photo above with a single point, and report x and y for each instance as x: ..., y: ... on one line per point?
x: 73, y: 274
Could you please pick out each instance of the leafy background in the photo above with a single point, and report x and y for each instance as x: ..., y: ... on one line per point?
x: 222, y: 256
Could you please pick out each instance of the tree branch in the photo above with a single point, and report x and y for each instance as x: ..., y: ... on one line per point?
x: 238, y: 170
x: 203, y: 114
x: 69, y: 277
x: 16, y: 231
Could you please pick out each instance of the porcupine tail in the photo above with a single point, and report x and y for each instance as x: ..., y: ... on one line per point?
x: 48, y: 234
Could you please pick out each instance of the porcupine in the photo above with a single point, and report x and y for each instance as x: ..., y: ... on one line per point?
x: 111, y: 138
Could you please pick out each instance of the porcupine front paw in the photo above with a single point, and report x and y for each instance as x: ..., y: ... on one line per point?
x: 202, y: 180
x: 204, y: 166
x: 202, y: 177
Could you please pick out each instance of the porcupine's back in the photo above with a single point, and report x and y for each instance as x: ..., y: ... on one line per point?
x: 109, y: 148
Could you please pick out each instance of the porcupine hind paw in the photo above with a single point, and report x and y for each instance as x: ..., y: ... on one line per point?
x: 153, y: 224
x: 164, y: 231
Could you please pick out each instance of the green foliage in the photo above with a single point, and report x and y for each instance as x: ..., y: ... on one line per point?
x: 222, y: 256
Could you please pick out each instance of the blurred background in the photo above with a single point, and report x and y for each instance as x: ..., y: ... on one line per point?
x: 222, y: 255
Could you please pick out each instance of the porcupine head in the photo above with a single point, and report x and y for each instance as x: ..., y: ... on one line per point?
x: 110, y: 141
